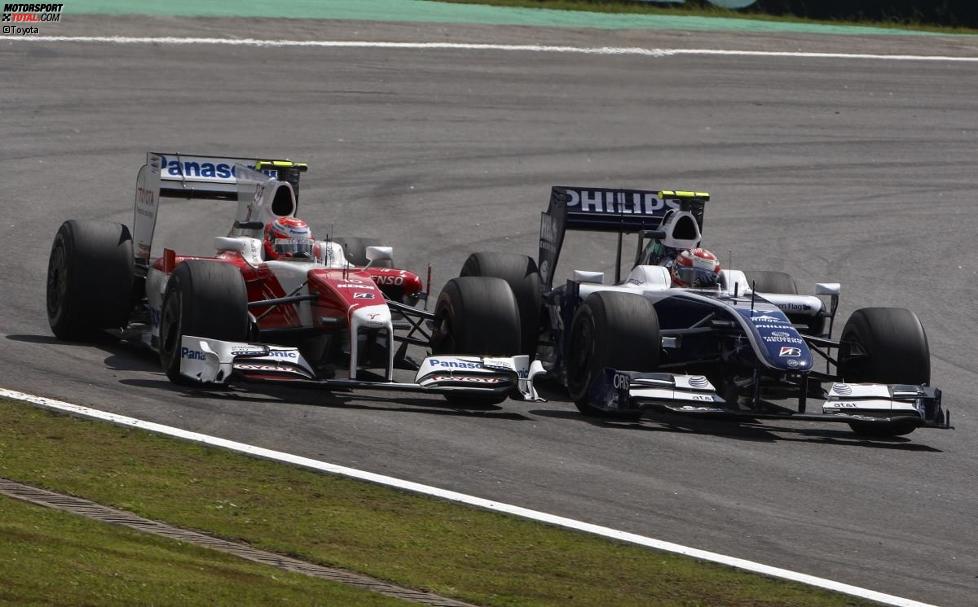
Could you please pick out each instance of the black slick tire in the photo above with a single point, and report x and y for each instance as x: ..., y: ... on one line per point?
x: 889, y: 346
x: 610, y: 329
x: 520, y: 273
x: 782, y: 283
x: 479, y: 316
x: 769, y: 281
x: 89, y: 279
x: 204, y: 299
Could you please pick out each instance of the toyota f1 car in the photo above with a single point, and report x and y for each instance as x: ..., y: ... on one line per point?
x: 729, y: 351
x: 342, y: 317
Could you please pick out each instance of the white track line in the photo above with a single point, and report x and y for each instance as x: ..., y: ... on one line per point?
x: 604, y: 50
x: 464, y: 499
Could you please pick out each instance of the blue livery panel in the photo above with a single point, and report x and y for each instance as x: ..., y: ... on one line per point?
x: 780, y: 344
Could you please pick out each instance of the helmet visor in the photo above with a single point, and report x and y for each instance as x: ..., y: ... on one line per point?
x: 293, y: 247
x: 698, y: 277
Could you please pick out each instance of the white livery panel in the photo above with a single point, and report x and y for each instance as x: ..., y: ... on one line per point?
x: 212, y: 361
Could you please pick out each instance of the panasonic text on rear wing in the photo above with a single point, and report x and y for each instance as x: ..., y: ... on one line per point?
x: 195, y: 177
x: 607, y: 210
x: 213, y: 177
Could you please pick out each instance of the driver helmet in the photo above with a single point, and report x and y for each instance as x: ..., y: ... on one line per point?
x: 695, y: 268
x: 288, y: 238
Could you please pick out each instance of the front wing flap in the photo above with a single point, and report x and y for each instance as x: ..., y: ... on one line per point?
x: 629, y: 390
x: 883, y: 403
x: 212, y: 361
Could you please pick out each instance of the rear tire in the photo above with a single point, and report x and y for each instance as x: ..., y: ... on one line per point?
x: 476, y: 315
x: 894, y: 350
x: 781, y: 283
x: 776, y: 283
x: 355, y: 251
x: 520, y: 273
x: 610, y: 329
x: 204, y: 299
x: 89, y: 280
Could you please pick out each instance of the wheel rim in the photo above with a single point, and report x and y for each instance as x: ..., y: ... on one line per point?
x: 57, y: 281
x: 581, y: 354
x: 443, y: 341
x: 170, y: 325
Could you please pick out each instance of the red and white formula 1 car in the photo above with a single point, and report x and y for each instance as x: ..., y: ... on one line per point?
x: 341, y: 316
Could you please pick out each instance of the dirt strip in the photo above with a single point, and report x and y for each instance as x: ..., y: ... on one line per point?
x: 105, y: 514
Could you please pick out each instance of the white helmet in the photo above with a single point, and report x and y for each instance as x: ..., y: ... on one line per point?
x: 695, y: 268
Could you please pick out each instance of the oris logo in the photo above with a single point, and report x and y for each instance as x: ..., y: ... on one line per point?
x: 620, y: 381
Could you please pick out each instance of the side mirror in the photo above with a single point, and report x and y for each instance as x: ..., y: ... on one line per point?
x: 828, y: 288
x: 832, y: 290
x: 592, y: 277
x: 375, y: 254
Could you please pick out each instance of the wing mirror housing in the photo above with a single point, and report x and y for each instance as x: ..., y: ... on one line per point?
x: 375, y: 254
x: 591, y: 277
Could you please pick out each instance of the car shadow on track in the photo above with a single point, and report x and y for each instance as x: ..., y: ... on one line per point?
x: 394, y: 402
x: 124, y: 357
x: 96, y: 341
x: 121, y: 356
x: 745, y: 431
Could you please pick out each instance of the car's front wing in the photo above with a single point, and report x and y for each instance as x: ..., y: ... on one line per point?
x: 212, y: 361
x: 695, y: 395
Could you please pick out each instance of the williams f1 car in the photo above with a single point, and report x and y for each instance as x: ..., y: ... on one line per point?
x: 743, y: 349
x: 340, y: 316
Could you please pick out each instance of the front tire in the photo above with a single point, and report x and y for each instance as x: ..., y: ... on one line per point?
x: 610, y: 329
x: 89, y: 279
x: 478, y: 316
x: 520, y: 273
x: 888, y: 346
x: 204, y: 299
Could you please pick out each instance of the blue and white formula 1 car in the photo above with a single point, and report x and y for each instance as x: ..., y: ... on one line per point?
x: 730, y: 351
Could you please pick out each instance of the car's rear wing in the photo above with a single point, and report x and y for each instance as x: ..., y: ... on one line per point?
x: 607, y: 210
x: 188, y: 176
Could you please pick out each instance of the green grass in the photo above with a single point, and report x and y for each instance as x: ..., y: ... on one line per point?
x: 689, y: 10
x: 421, y: 542
x: 49, y: 557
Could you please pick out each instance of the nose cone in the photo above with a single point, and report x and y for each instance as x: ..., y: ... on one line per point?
x: 778, y: 342
x: 371, y: 317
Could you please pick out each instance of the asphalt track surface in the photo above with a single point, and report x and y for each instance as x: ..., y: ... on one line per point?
x: 855, y: 171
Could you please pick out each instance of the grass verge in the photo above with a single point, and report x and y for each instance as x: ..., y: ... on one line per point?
x: 684, y: 10
x: 55, y: 558
x: 482, y: 557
